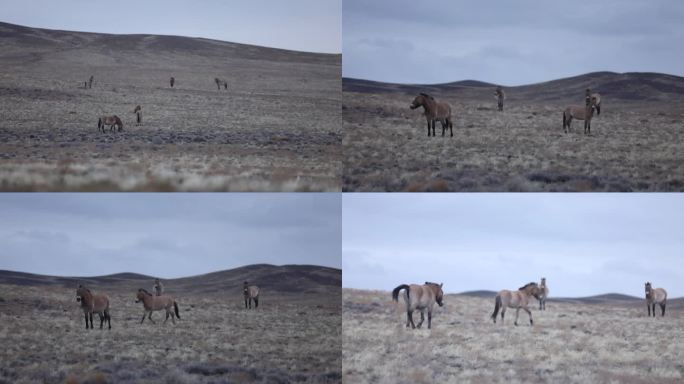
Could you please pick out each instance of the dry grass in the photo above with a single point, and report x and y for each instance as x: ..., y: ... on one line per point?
x: 386, y: 148
x: 288, y: 339
x: 569, y: 343
x: 275, y: 128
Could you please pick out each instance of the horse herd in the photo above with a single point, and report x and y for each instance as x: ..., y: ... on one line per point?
x: 423, y: 297
x: 114, y: 121
x: 440, y: 111
x: 98, y: 303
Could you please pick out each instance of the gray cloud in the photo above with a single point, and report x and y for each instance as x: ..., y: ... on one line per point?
x: 584, y: 244
x: 511, y: 43
x: 167, y: 235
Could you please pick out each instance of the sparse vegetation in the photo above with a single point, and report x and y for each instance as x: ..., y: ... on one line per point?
x: 569, y: 343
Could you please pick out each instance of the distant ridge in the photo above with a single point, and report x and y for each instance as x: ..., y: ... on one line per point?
x: 49, y: 39
x: 629, y: 86
x: 283, y: 279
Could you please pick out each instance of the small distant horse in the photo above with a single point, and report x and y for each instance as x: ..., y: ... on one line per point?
x: 157, y: 303
x: 250, y: 292
x: 500, y: 97
x: 580, y: 113
x: 543, y: 294
x: 653, y: 296
x: 138, y: 115
x: 434, y: 111
x: 596, y: 100
x: 90, y: 81
x: 94, y: 303
x: 515, y: 299
x: 172, y: 81
x: 112, y: 121
x: 420, y: 297
x: 220, y: 82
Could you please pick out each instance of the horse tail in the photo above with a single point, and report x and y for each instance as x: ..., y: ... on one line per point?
x: 497, y: 306
x: 395, y: 292
x: 175, y: 307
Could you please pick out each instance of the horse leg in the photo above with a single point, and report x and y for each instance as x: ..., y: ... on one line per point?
x: 167, y: 316
x: 143, y: 319
x: 517, y: 313
x: 428, y: 123
x: 102, y: 320
x: 92, y: 327
x: 410, y: 316
x: 422, y: 318
x: 150, y: 317
x: 503, y: 310
x: 245, y: 303
x: 662, y: 307
x: 652, y: 311
x: 433, y: 127
x: 648, y: 306
x: 429, y: 319
x: 86, y: 319
x: 256, y: 302
x: 529, y: 313
x: 109, y: 319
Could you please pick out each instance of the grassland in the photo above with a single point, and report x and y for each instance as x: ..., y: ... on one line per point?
x: 569, y: 343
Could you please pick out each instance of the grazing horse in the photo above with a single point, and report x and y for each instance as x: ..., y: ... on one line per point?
x: 420, y: 297
x: 172, y: 81
x: 220, y: 82
x: 157, y: 303
x: 90, y: 302
x: 250, y: 292
x: 653, y: 296
x: 580, y: 113
x: 543, y: 294
x: 500, y: 97
x: 515, y: 299
x: 111, y: 121
x: 434, y: 111
x: 138, y: 115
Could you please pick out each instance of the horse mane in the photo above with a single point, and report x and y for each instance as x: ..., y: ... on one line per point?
x: 527, y: 285
x: 145, y: 291
x: 428, y: 96
x: 430, y: 283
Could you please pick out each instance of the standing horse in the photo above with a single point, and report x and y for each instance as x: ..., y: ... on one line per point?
x: 500, y: 97
x: 138, y: 115
x: 434, y: 111
x: 172, y: 81
x: 90, y: 82
x: 111, y: 121
x: 250, y: 292
x: 543, y: 294
x: 98, y: 303
x: 515, y: 299
x: 220, y: 82
x: 580, y: 113
x: 596, y: 100
x: 420, y: 297
x: 157, y: 303
x: 653, y: 296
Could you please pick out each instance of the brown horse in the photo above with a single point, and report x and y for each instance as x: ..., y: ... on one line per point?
x: 434, y: 111
x: 500, y: 97
x: 220, y: 82
x: 250, y: 292
x: 111, y: 121
x: 420, y: 297
x: 653, y: 296
x: 138, y: 115
x: 172, y: 81
x: 157, y: 303
x: 90, y: 81
x: 581, y: 113
x: 97, y: 303
x: 543, y: 294
x: 515, y: 299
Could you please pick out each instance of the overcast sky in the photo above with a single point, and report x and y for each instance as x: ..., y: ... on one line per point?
x: 166, y: 235
x: 584, y: 244
x: 509, y: 42
x: 302, y: 25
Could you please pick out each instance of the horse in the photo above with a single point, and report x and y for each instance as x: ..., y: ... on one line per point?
x: 515, y: 299
x: 500, y: 97
x: 156, y: 303
x: 90, y: 81
x: 138, y: 115
x: 434, y: 111
x: 172, y: 81
x: 112, y: 121
x: 653, y: 296
x: 596, y: 99
x: 158, y: 288
x: 250, y: 292
x: 580, y: 113
x: 90, y: 302
x: 543, y: 294
x: 420, y: 297
x: 220, y: 82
